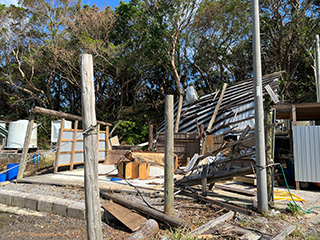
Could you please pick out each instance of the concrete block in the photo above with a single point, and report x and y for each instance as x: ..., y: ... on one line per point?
x: 31, y: 201
x: 60, y: 206
x: 77, y: 210
x: 18, y: 199
x: 45, y: 204
x: 5, y: 196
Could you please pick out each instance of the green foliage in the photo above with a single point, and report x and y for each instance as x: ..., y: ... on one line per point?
x: 293, y: 208
x: 179, y: 234
x: 143, y: 49
x: 132, y: 132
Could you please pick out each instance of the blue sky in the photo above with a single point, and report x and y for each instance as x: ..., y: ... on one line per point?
x: 98, y: 3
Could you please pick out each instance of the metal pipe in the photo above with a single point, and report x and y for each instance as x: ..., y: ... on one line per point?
x: 262, y: 196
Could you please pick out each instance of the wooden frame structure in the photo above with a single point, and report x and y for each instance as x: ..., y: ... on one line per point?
x: 70, y: 147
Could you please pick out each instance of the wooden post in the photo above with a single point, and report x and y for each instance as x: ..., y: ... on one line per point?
x: 107, y: 146
x: 90, y: 144
x: 169, y: 168
x: 269, y: 152
x: 176, y: 127
x: 26, y: 144
x: 216, y: 108
x: 294, y: 123
x: 74, y: 141
x: 56, y: 161
x: 150, y: 137
x: 202, y: 140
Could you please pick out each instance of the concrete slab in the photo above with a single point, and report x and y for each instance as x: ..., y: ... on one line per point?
x: 76, y: 178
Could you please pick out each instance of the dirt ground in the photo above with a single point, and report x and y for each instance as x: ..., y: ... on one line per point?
x: 195, y: 213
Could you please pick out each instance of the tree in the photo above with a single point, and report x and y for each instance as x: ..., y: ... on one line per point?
x: 288, y: 29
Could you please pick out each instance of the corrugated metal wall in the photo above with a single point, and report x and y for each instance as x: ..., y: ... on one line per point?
x: 306, y: 144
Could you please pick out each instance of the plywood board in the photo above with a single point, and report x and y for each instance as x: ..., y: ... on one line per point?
x: 129, y: 218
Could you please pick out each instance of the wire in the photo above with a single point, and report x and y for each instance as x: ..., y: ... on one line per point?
x: 135, y: 187
x: 285, y: 180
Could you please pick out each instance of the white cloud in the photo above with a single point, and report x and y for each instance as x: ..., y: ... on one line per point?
x: 9, y: 2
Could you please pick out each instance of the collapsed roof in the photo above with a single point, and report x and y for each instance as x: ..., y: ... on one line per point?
x: 236, y: 111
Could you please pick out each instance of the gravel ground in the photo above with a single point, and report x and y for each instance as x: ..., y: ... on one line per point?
x: 194, y: 213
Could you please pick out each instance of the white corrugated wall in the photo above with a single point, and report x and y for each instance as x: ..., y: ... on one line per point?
x: 306, y: 146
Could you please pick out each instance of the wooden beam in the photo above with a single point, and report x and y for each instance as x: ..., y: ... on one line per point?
x: 211, y: 224
x: 26, y: 144
x: 213, y: 118
x: 146, y: 231
x: 90, y: 145
x: 49, y: 112
x: 73, y: 145
x: 129, y: 218
x: 285, y: 233
x: 172, y: 221
x: 216, y: 202
x: 236, y: 190
x: 150, y: 147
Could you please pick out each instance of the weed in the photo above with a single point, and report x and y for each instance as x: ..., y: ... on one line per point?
x: 293, y: 208
x: 313, y: 237
x: 297, y: 234
x: 181, y: 234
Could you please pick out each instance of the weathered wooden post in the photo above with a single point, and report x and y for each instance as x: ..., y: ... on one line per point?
x: 90, y: 144
x: 25, y: 149
x: 168, y: 169
x: 150, y: 147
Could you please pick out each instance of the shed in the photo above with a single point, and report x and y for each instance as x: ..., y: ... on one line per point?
x: 235, y: 113
x: 304, y: 140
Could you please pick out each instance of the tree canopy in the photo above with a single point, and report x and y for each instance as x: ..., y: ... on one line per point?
x: 147, y: 48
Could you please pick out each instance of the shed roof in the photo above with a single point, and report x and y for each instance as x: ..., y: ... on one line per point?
x: 304, y: 111
x: 236, y: 110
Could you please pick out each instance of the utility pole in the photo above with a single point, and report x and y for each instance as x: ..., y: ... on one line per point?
x: 317, y: 66
x: 261, y: 171
x: 90, y: 147
x: 168, y: 167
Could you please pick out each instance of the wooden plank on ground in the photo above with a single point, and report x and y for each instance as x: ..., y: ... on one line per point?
x: 236, y: 190
x: 214, y: 222
x: 285, y: 233
x: 130, y: 219
x: 246, y: 179
x: 219, y: 203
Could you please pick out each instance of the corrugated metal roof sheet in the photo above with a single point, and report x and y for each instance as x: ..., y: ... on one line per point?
x: 236, y: 110
x: 306, y: 141
x: 3, y: 132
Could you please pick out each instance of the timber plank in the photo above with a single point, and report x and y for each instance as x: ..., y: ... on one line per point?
x: 130, y: 219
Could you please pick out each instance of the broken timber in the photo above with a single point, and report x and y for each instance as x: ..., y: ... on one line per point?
x: 212, y: 223
x: 49, y: 112
x: 172, y: 221
x: 146, y: 231
x: 130, y: 219
x: 216, y: 202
